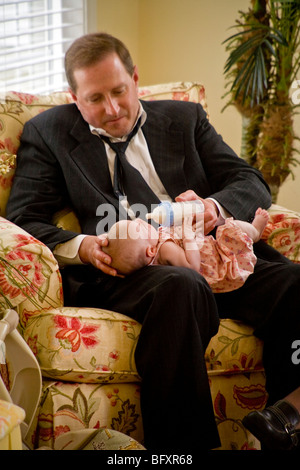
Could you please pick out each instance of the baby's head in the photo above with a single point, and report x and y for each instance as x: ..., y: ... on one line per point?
x: 131, y: 245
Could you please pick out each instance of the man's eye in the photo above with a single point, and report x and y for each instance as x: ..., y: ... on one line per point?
x: 95, y: 100
x: 120, y: 91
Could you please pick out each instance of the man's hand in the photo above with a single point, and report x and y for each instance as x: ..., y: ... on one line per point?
x: 188, y: 232
x: 90, y: 252
x: 211, y: 212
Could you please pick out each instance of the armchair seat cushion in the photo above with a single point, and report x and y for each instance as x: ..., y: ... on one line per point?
x: 84, y: 344
x: 93, y: 345
x: 234, y: 350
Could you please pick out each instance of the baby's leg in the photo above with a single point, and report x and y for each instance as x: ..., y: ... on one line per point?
x: 260, y: 222
x: 255, y: 230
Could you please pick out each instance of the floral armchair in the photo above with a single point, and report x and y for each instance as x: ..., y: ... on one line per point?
x: 86, y: 355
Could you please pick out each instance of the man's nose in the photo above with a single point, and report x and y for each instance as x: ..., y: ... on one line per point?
x: 111, y: 106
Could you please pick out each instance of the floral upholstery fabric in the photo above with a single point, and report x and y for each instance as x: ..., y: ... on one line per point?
x: 237, y: 381
x: 11, y: 416
x: 76, y: 407
x: 84, y: 345
x: 99, y: 439
x: 234, y: 350
x: 28, y: 271
x: 87, y: 355
x: 15, y: 110
x: 7, y: 171
x: 283, y: 232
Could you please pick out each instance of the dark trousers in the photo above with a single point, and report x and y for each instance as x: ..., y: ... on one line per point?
x: 179, y: 315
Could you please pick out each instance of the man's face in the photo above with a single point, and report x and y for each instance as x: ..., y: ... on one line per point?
x: 107, y: 96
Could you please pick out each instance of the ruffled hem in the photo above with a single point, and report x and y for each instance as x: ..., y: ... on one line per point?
x: 228, y: 260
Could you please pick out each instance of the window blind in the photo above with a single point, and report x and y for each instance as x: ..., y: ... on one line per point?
x: 34, y: 36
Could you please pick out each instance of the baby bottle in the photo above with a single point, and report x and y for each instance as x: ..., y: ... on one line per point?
x: 172, y: 213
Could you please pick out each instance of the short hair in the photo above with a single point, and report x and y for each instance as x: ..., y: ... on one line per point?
x: 92, y: 48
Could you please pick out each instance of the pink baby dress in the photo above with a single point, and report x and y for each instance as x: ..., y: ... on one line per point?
x: 226, y: 261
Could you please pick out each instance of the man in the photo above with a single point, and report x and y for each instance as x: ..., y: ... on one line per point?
x: 66, y: 158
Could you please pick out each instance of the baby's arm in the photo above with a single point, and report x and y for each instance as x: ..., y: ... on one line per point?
x: 189, y: 255
x: 191, y: 248
x: 174, y: 255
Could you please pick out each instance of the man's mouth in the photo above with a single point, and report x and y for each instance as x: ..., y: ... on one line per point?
x: 114, y: 120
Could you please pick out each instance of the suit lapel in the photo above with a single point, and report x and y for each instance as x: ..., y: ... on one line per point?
x: 90, y: 157
x: 166, y: 147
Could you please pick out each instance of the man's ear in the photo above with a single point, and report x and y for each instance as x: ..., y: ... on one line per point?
x: 73, y: 95
x: 135, y: 76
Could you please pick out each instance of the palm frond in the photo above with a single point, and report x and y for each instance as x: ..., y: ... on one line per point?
x: 261, y: 68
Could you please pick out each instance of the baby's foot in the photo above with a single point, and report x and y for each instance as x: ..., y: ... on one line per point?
x: 260, y: 221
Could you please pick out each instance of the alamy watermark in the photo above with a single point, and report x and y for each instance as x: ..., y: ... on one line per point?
x: 296, y: 100
x: 109, y: 215
x: 296, y: 94
x: 296, y: 353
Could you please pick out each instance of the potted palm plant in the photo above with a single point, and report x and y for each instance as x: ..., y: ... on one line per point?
x: 262, y: 67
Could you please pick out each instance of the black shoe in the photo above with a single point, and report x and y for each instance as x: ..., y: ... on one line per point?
x: 274, y: 427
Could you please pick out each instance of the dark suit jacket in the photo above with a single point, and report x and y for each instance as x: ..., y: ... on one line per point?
x: 60, y: 163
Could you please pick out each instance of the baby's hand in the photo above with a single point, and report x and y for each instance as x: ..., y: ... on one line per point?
x: 188, y: 231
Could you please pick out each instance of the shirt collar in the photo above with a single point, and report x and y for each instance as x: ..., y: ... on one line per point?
x: 96, y: 130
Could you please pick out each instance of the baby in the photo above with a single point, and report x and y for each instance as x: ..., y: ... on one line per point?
x: 225, y: 261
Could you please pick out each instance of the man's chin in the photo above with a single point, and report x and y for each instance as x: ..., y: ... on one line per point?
x: 118, y: 127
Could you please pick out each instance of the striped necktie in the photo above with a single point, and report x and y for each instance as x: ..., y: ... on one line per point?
x: 128, y: 181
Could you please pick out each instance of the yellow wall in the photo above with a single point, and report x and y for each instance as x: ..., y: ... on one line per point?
x: 175, y: 40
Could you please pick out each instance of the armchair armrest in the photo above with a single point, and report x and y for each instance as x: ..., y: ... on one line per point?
x: 29, y: 276
x: 283, y: 232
